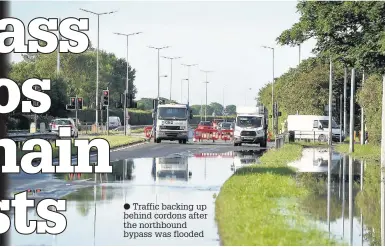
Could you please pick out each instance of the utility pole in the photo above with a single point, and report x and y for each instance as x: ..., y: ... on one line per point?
x: 351, y: 141
x: 272, y: 93
x: 362, y: 114
x: 58, y: 53
x: 108, y: 116
x: 171, y: 58
x: 330, y: 140
x: 181, y: 92
x: 155, y: 110
x: 201, y: 112
x: 188, y: 84
x: 206, y: 82
x: 97, y: 65
x: 299, y: 54
x: 383, y: 164
x: 345, y: 95
x: 158, y: 49
x: 126, y: 91
x: 341, y: 113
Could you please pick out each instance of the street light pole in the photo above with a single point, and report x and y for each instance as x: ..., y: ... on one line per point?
x: 58, y: 54
x: 158, y: 49
x: 272, y: 92
x: 181, y: 92
x: 171, y: 58
x: 206, y: 82
x: 188, y: 84
x: 206, y: 71
x: 126, y: 91
x: 97, y: 66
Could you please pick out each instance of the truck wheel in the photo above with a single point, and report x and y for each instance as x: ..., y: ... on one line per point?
x: 158, y: 140
x: 184, y: 141
x: 263, y: 144
x: 180, y: 141
x: 235, y: 144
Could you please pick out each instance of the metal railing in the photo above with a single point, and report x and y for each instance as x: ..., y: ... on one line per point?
x: 280, y: 140
x: 312, y: 135
x: 21, y: 137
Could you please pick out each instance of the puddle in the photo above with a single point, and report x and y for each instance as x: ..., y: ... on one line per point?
x: 345, y: 204
x: 95, y: 212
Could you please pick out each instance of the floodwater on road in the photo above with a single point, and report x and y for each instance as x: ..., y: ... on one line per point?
x: 347, y: 203
x: 96, y: 214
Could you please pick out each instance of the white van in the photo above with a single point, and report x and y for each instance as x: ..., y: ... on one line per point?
x: 114, y: 122
x: 309, y: 127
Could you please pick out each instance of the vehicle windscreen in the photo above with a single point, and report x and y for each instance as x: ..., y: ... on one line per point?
x: 226, y: 125
x: 247, y: 121
x: 172, y: 113
x: 114, y: 119
x: 205, y: 123
x: 62, y: 122
x: 325, y: 124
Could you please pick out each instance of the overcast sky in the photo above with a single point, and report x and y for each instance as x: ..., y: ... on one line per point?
x: 224, y: 37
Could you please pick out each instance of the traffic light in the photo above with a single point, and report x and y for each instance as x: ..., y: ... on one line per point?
x: 71, y: 105
x: 34, y: 102
x: 106, y: 97
x: 80, y: 103
x: 129, y: 101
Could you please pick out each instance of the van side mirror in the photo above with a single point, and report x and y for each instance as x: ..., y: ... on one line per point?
x: 153, y: 114
x: 320, y: 127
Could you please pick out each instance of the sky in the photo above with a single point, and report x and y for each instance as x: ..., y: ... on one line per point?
x: 223, y: 37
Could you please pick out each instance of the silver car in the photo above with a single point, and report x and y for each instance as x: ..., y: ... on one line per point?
x: 64, y: 122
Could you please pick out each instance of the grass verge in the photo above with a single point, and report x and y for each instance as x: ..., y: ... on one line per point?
x: 366, y: 152
x: 258, y: 205
x: 114, y: 140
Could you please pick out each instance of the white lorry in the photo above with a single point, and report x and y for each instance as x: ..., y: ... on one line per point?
x: 172, y: 122
x: 251, y: 125
x: 312, y: 127
x: 173, y: 168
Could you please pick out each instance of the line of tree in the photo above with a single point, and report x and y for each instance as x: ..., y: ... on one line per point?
x: 214, y: 107
x: 351, y: 34
x: 77, y: 77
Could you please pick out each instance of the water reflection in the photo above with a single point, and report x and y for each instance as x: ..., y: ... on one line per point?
x: 339, y: 199
x: 94, y: 213
x: 170, y: 168
x: 245, y: 157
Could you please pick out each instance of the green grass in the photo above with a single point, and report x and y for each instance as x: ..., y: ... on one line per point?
x: 114, y: 140
x: 366, y: 152
x: 140, y: 130
x: 259, y: 205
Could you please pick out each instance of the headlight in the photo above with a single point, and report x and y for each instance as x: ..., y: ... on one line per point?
x: 182, y: 127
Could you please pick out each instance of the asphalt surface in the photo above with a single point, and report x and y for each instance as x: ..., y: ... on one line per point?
x: 168, y: 148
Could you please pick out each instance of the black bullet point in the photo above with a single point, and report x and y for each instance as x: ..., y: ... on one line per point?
x: 126, y: 206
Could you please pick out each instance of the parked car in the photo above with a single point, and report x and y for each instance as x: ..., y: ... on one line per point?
x: 114, y: 122
x: 64, y: 122
x: 205, y: 125
x: 226, y: 126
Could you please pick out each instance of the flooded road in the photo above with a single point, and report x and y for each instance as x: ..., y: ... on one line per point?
x: 96, y: 213
x: 347, y: 203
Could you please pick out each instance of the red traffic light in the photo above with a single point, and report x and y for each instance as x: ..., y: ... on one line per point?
x: 80, y: 99
x: 105, y: 92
